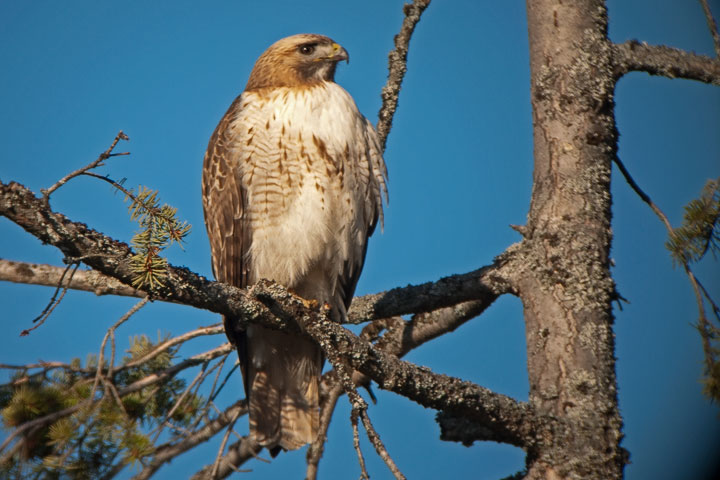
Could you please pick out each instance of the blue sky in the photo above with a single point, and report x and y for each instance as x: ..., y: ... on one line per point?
x: 460, y: 163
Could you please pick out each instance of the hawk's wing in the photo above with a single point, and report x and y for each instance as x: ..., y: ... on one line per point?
x: 223, y: 204
x: 376, y: 188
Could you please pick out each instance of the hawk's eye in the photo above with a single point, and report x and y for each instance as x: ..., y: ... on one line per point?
x: 307, y: 49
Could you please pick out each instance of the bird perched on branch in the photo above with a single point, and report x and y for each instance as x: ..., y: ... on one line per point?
x: 292, y: 188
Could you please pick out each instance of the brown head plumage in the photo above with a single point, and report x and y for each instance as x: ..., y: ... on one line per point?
x: 297, y: 61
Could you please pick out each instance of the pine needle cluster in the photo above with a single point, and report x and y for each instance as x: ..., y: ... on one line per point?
x: 700, y: 230
x: 160, y: 228
x: 106, y: 428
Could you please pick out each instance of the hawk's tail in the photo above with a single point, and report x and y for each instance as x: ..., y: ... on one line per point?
x: 283, y: 380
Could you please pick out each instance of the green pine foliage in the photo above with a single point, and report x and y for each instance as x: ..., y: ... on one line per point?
x: 108, y: 430
x: 700, y: 231
x: 160, y: 228
x: 689, y: 243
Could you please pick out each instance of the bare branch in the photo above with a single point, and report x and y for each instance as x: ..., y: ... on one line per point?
x: 640, y: 193
x: 462, y: 430
x: 44, y: 365
x: 400, y: 338
x: 49, y: 275
x: 161, y: 347
x: 397, y: 66
x: 238, y: 453
x: 703, y: 323
x: 483, y: 285
x: 432, y: 390
x: 169, y: 451
x: 54, y: 301
x: 316, y: 449
x: 101, y: 158
x: 111, y: 334
x: 356, y: 443
x: 218, y: 458
x: 634, y: 56
x: 712, y: 26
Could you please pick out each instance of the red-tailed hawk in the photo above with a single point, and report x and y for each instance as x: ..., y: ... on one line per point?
x: 292, y: 184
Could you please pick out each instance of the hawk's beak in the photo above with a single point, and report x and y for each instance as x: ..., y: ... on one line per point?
x: 339, y: 54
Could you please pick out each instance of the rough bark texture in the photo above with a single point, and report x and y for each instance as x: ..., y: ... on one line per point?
x: 566, y: 288
x: 669, y: 62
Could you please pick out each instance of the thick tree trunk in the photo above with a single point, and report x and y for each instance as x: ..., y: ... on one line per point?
x: 566, y: 287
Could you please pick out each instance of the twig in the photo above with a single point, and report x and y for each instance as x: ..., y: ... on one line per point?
x: 54, y: 301
x: 111, y: 334
x: 238, y: 453
x: 316, y: 449
x: 643, y: 196
x: 166, y: 452
x: 715, y: 307
x: 111, y: 387
x: 397, y: 66
x: 356, y: 444
x: 703, y: 323
x: 112, y: 182
x: 210, y: 330
x: 379, y: 447
x: 222, y: 447
x: 98, y: 162
x: 44, y: 365
x: 712, y: 26
x: 213, y: 393
x: 331, y: 389
x: 199, y: 379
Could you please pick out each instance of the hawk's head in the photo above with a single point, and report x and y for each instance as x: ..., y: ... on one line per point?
x: 297, y: 61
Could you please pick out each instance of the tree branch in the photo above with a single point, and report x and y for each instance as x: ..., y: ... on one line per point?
x: 78, y: 242
x: 50, y: 275
x: 484, y: 285
x: 633, y: 56
x: 98, y: 162
x: 712, y: 26
x: 110, y: 257
x: 640, y: 193
x: 271, y: 306
x: 169, y: 451
x: 498, y: 412
x: 397, y: 66
x: 237, y: 454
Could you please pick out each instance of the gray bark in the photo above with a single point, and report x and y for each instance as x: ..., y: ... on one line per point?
x: 566, y: 287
